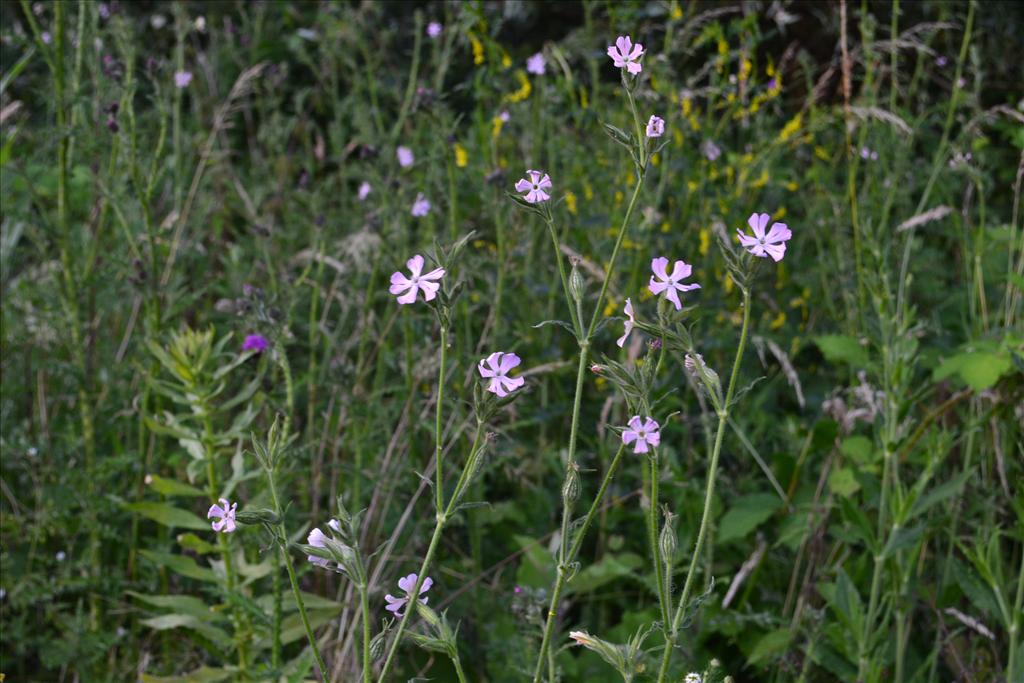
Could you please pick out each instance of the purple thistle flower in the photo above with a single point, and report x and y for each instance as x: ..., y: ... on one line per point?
x: 496, y: 368
x: 644, y: 433
x: 630, y: 322
x: 536, y: 64
x: 407, y: 584
x: 182, y: 79
x: 434, y: 29
x: 405, y: 157
x: 364, y: 190
x: 534, y: 185
x: 420, y: 207
x: 771, y: 244
x: 225, y: 516
x: 655, y: 127
x: 408, y: 287
x: 255, y: 342
x: 670, y: 283
x: 626, y: 55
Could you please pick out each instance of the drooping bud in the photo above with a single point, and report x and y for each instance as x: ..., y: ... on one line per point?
x: 708, y: 378
x: 257, y: 517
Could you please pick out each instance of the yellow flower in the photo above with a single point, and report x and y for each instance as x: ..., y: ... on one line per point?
x: 745, y: 68
x: 584, y: 101
x: 792, y: 186
x: 762, y: 180
x: 496, y: 123
x: 588, y: 191
x: 780, y: 214
x: 610, y: 307
x: 728, y: 283
x: 665, y: 227
x: 705, y: 241
x: 723, y: 47
x: 570, y: 202
x: 779, y: 321
x: 524, y: 88
x: 619, y: 197
x: 461, y: 157
x: 506, y: 61
x: 791, y: 128
x: 478, y: 50
x: 677, y: 12
x: 821, y: 153
x: 691, y: 185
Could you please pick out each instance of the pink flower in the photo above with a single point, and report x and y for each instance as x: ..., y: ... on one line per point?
x: 504, y: 116
x: 536, y: 64
x: 645, y: 433
x: 773, y: 244
x: 655, y: 127
x: 662, y: 281
x: 225, y: 516
x: 496, y: 368
x: 625, y: 54
x: 405, y: 157
x: 433, y: 29
x: 534, y: 185
x: 630, y: 322
x: 317, y: 539
x: 407, y: 584
x: 182, y: 79
x: 364, y: 190
x: 420, y: 207
x: 409, y: 287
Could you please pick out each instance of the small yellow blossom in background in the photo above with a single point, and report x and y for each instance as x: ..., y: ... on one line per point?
x: 570, y: 202
x: 524, y: 89
x: 629, y: 244
x: 478, y: 50
x: 821, y: 153
x: 780, y: 214
x: 779, y: 321
x: 601, y: 383
x: 729, y: 285
x: 691, y: 185
x: 705, y: 241
x: 792, y: 186
x: 506, y: 61
x: 745, y: 68
x: 474, y: 297
x: 770, y: 69
x: 461, y: 157
x: 588, y: 191
x: 687, y: 106
x: 791, y: 128
x: 619, y: 197
x: 723, y: 47
x: 677, y: 12
x: 665, y: 227
x: 610, y: 307
x: 496, y: 123
x: 503, y: 162
x: 677, y: 137
x: 584, y: 100
x: 713, y: 175
x: 645, y: 294
x: 762, y: 179
x: 656, y: 159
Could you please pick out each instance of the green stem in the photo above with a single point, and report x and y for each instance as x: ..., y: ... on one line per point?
x: 439, y: 481
x: 723, y: 418
x: 364, y: 605
x: 652, y: 533
x: 283, y: 547
x: 458, y: 668
x: 577, y: 323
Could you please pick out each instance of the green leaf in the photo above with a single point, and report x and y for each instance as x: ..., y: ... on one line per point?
x: 180, y: 564
x: 980, y: 595
x: 842, y: 482
x: 197, y: 545
x: 858, y: 448
x: 203, y: 674
x: 172, y: 487
x: 747, y: 514
x: 769, y: 645
x: 609, y: 569
x: 166, y: 622
x: 980, y: 370
x: 182, y: 604
x: 902, y: 538
x: 168, y: 515
x: 940, y: 494
x: 842, y: 349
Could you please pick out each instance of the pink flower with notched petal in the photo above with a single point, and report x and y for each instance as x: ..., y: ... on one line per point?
x: 644, y: 433
x: 420, y: 207
x: 771, y: 244
x: 536, y: 64
x: 364, y: 190
x: 405, y: 157
x: 182, y: 79
x: 406, y: 288
x: 655, y: 127
x: 670, y: 283
x: 535, y: 185
x: 407, y: 584
x: 496, y: 368
x: 626, y: 55
x: 225, y: 516
x: 630, y: 322
x: 434, y: 29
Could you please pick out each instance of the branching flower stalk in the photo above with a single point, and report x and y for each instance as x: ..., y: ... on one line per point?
x: 638, y: 150
x: 709, y: 493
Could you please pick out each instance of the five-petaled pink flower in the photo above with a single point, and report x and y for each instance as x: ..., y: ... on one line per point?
x: 407, y: 584
x: 670, y: 283
x: 496, y: 368
x: 182, y: 79
x: 534, y: 185
x: 405, y: 157
x: 434, y: 29
x: 420, y: 207
x: 630, y: 322
x: 536, y: 64
x: 408, y: 287
x: 224, y: 514
x: 364, y: 190
x: 655, y: 127
x: 644, y: 433
x: 625, y: 54
x: 772, y: 244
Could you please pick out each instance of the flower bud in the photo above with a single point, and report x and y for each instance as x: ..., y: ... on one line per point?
x: 700, y: 371
x: 667, y: 540
x: 257, y: 517
x: 576, y: 283
x: 571, y: 487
